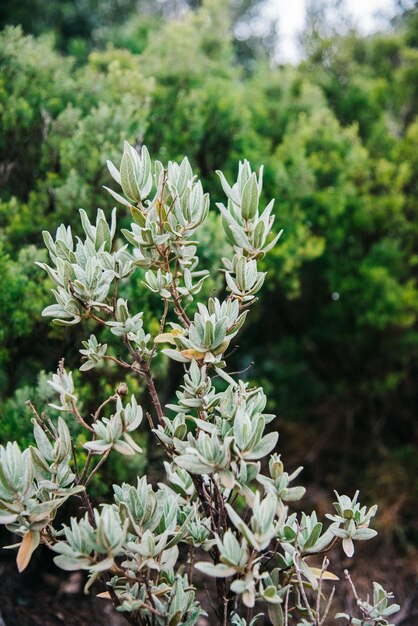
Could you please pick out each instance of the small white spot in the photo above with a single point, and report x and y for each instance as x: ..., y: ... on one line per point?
x: 335, y: 296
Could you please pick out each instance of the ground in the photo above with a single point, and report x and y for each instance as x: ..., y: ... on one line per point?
x: 46, y: 596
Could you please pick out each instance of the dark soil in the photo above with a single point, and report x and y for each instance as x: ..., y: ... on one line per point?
x: 46, y: 596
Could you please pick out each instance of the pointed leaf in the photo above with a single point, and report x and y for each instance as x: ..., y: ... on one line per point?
x: 28, y: 546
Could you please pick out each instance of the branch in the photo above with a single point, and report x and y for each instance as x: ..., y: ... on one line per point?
x: 40, y: 421
x: 79, y: 418
x: 180, y: 312
x: 108, y: 357
x: 96, y: 415
x: 98, y: 466
x: 162, y: 325
x: 145, y: 372
x: 302, y: 591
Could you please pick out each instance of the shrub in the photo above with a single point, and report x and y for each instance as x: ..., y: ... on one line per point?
x: 224, y: 506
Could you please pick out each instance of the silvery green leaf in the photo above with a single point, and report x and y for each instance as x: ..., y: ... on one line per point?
x: 49, y: 243
x: 249, y: 200
x: 228, y: 232
x: 348, y: 546
x: 226, y: 377
x: 88, y: 365
x: 131, y: 443
x: 175, y: 355
x: 64, y: 440
x: 208, y: 334
x: 379, y: 596
x: 191, y: 463
x: 137, y: 215
x: 232, y: 284
x: 324, y: 541
x: 70, y: 564
x: 98, y: 447
x: 114, y: 172
x: 270, y: 595
x: 240, y: 238
x: 263, y: 448
x: 260, y: 179
x: 129, y: 173
x: 53, y: 275
x: 258, y: 235
x: 192, y: 403
x: 244, y: 172
x: 242, y: 527
x: 7, y: 518
x: 42, y: 442
x: 363, y: 534
x: 313, y: 537
x: 102, y: 233
x: 293, y: 494
x: 146, y: 176
x: 393, y: 608
x: 103, y: 565
x: 238, y: 586
x: 118, y: 197
x: 340, y: 532
x: 271, y: 245
x: 39, y: 460
x: 227, y: 214
x: 228, y: 190
x: 87, y: 227
x: 184, y: 174
x: 208, y: 427
x: 309, y: 575
x: 219, y: 570
x: 63, y: 322
x: 275, y: 613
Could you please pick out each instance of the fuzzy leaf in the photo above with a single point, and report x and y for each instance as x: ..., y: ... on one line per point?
x: 219, y: 570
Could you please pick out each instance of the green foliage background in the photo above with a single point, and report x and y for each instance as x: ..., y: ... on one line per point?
x: 334, y: 338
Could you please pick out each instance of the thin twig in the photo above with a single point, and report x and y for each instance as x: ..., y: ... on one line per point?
x: 324, y: 566
x: 162, y: 324
x: 115, y: 293
x: 76, y: 470
x: 286, y: 608
x: 181, y: 313
x: 327, y: 608
x: 191, y: 563
x: 209, y: 597
x: 96, y: 415
x: 348, y: 577
x: 324, y: 551
x: 302, y: 590
x: 79, y: 418
x: 97, y: 319
x: 39, y: 420
x: 98, y: 466
x: 86, y: 467
x: 124, y: 364
x: 149, y: 418
x: 51, y: 425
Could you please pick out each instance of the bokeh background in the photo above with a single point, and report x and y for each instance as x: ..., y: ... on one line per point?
x: 332, y: 113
